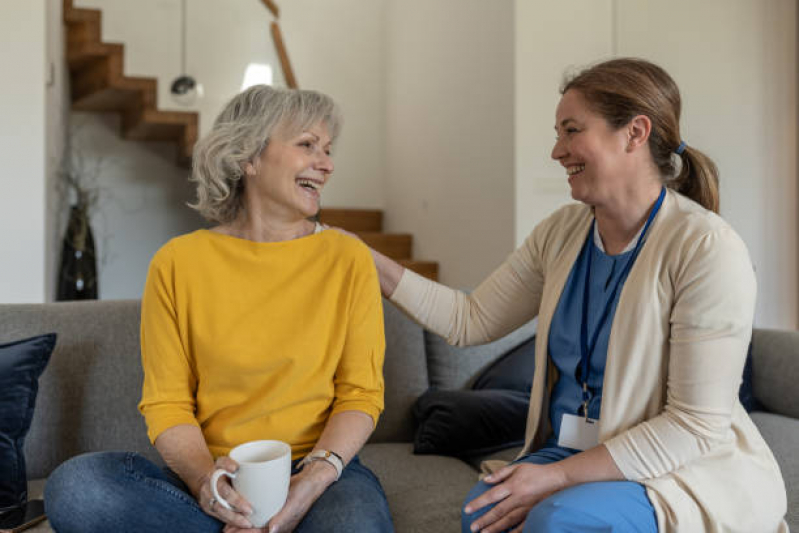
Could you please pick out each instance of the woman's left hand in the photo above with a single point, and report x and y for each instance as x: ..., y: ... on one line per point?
x: 305, y: 489
x: 517, y: 489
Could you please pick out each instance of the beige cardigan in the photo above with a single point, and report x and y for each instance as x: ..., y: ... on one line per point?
x: 670, y: 414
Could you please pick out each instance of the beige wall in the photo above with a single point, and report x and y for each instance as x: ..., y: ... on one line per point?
x: 449, y: 132
x: 735, y: 62
x: 22, y: 151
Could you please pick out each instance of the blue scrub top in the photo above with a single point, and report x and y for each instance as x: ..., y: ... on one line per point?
x: 564, y: 332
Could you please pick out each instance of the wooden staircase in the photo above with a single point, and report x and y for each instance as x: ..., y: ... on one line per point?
x: 368, y: 225
x: 99, y: 83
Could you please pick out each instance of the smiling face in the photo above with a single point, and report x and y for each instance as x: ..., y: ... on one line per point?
x: 592, y: 152
x: 289, y: 175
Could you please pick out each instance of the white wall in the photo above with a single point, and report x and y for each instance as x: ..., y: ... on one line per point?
x: 142, y: 204
x: 56, y: 118
x: 22, y: 151
x: 338, y: 48
x: 449, y: 136
x: 735, y: 62
x: 551, y: 38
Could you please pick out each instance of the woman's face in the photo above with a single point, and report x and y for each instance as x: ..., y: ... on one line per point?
x: 590, y: 150
x: 291, y: 173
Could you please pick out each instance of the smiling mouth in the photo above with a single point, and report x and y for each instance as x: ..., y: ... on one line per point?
x: 575, y: 169
x: 312, y: 186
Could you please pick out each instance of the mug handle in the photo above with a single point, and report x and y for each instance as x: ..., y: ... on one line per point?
x: 214, y: 480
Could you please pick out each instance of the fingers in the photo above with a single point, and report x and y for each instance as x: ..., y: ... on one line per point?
x: 241, y: 507
x: 497, y: 494
x: 500, y: 475
x: 226, y: 463
x: 500, y: 519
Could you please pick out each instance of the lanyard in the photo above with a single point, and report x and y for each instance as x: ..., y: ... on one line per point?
x: 585, y: 347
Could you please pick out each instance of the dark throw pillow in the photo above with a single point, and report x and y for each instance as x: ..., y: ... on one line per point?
x: 466, y: 423
x: 21, y: 364
x: 489, y: 418
x: 747, y: 393
x: 512, y: 371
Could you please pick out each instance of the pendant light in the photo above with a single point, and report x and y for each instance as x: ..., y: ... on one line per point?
x: 185, y: 89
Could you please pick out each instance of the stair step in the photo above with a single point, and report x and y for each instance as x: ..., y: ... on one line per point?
x: 153, y: 125
x: 394, y: 245
x: 98, y: 83
x: 101, y: 94
x: 428, y: 269
x: 81, y: 54
x: 363, y: 220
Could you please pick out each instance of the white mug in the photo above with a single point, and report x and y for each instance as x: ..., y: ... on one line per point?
x: 262, y: 478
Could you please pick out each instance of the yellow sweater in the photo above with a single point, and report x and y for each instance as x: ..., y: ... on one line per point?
x: 255, y: 340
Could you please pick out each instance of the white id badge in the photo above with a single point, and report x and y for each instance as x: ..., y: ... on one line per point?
x: 577, y: 433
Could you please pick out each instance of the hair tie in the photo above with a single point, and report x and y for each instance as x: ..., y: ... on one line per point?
x: 680, y: 149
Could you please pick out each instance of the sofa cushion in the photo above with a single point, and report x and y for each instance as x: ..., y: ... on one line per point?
x: 425, y: 492
x: 506, y: 456
x: 21, y: 364
x: 781, y: 434
x: 775, y: 371
x: 466, y: 423
x: 405, y: 372
x: 89, y: 392
x: 454, y: 367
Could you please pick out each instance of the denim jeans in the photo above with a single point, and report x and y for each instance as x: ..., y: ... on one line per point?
x: 607, y: 506
x: 124, y: 492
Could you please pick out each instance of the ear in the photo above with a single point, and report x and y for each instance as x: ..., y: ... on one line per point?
x: 638, y: 130
x: 248, y: 168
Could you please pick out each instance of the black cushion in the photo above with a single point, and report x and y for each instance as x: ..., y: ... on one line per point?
x: 746, y: 393
x: 466, y: 423
x: 489, y: 418
x: 512, y: 371
x: 21, y: 364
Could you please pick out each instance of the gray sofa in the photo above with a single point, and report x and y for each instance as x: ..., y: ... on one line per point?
x: 89, y: 391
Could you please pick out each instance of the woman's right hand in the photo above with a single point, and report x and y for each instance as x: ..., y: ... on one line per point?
x: 212, y: 507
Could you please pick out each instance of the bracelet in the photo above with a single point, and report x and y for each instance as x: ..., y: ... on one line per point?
x: 324, y: 455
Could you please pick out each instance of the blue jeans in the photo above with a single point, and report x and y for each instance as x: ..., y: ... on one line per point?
x: 607, y: 506
x: 124, y: 492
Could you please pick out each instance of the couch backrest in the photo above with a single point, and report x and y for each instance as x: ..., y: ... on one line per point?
x: 88, y: 393
x: 405, y: 372
x: 775, y: 370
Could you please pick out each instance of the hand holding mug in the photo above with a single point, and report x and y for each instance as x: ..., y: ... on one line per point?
x: 239, y: 515
x: 260, y: 483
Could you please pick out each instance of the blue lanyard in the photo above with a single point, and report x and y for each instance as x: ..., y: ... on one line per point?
x: 586, y: 347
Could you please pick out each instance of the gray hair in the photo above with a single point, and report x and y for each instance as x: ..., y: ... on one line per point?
x: 239, y: 135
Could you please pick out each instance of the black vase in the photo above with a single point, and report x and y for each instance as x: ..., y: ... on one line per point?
x: 77, y: 276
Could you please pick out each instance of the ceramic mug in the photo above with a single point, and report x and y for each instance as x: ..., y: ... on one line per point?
x: 262, y: 478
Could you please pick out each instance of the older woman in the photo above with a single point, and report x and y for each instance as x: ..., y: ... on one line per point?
x: 645, y: 299
x: 262, y: 327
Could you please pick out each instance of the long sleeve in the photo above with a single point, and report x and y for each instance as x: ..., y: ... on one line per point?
x: 359, y: 376
x: 508, y: 298
x: 169, y: 382
x: 711, y: 323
